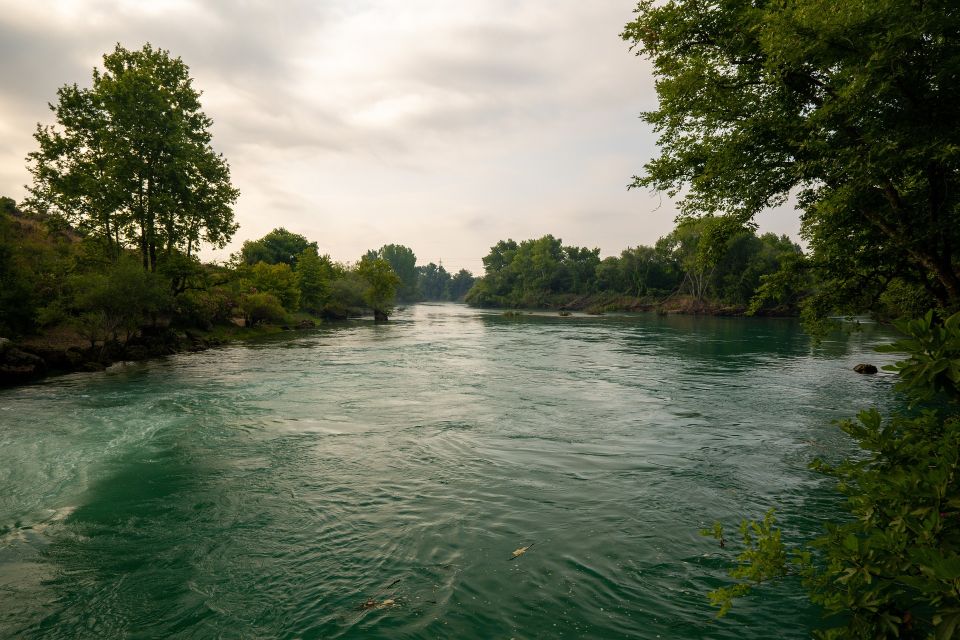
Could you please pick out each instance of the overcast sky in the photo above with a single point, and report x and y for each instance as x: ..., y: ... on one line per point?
x: 444, y: 126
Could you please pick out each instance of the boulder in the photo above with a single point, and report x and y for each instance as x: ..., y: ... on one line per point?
x: 137, y: 352
x: 865, y: 368
x: 17, y: 367
x: 306, y: 324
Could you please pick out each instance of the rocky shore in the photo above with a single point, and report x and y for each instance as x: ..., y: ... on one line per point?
x: 52, y: 354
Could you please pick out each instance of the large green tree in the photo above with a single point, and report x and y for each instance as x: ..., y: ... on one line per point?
x: 851, y: 106
x: 129, y: 160
x: 403, y: 261
x: 381, y: 285
x: 277, y: 246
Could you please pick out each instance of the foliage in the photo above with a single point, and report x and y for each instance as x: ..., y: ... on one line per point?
x: 17, y: 301
x: 277, y: 246
x: 893, y: 568
x: 711, y: 259
x: 404, y: 263
x: 314, y: 274
x: 849, y: 105
x: 261, y: 306
x: 381, y: 285
x: 278, y: 280
x: 460, y: 284
x: 346, y: 296
x: 763, y: 558
x: 119, y: 297
x: 526, y: 274
x: 130, y: 163
x: 436, y: 283
x: 933, y: 365
x: 204, y: 308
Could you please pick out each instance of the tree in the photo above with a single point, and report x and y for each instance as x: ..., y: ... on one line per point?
x: 17, y: 298
x: 381, y: 288
x: 849, y: 105
x: 696, y: 246
x: 314, y: 274
x: 119, y: 297
x: 581, y: 265
x: 404, y: 263
x: 129, y: 160
x: 459, y: 284
x: 277, y: 246
x: 433, y: 282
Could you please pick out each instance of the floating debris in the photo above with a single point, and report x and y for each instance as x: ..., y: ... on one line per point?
x: 519, y: 552
x: 377, y: 604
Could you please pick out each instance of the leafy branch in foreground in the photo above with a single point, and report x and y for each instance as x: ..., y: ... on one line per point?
x: 764, y: 558
x: 893, y: 569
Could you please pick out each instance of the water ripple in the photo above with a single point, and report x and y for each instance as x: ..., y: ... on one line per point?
x: 373, y: 481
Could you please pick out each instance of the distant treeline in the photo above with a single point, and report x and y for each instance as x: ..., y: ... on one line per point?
x: 707, y: 261
x: 54, y: 277
x: 423, y: 282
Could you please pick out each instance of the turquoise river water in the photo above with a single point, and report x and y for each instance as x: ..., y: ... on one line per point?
x: 372, y: 481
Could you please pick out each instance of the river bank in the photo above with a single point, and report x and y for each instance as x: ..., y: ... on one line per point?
x: 599, y: 303
x: 63, y: 350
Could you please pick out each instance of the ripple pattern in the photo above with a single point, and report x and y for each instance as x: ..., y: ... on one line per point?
x: 371, y: 481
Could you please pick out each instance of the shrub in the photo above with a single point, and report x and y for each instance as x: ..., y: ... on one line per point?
x: 261, y: 307
x: 892, y: 569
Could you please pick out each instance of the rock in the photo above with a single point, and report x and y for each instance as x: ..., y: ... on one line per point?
x: 865, y: 368
x: 112, y: 351
x: 306, y: 324
x: 379, y: 316
x: 137, y: 352
x: 93, y: 366
x: 199, y: 344
x: 17, y: 367
x: 73, y: 356
x: 5, y: 344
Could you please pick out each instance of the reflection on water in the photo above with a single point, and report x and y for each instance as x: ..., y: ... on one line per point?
x: 372, y: 480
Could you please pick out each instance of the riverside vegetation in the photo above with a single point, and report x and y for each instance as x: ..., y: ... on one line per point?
x: 851, y: 108
x: 703, y: 266
x: 99, y: 262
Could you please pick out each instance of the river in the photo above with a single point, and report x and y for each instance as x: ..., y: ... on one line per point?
x: 372, y: 481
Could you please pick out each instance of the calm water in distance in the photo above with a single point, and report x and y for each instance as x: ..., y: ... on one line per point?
x: 269, y: 490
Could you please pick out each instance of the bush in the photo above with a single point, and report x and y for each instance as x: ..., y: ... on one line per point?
x: 204, y: 308
x: 123, y: 294
x: 261, y: 307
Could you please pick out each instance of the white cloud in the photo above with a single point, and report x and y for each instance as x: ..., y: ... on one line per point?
x: 444, y: 126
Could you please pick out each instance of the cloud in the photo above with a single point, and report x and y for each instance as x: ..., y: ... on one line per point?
x: 441, y: 125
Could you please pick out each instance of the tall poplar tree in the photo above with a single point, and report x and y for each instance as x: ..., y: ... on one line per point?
x: 129, y: 160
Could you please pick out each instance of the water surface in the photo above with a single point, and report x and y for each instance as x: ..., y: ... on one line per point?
x: 269, y: 490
